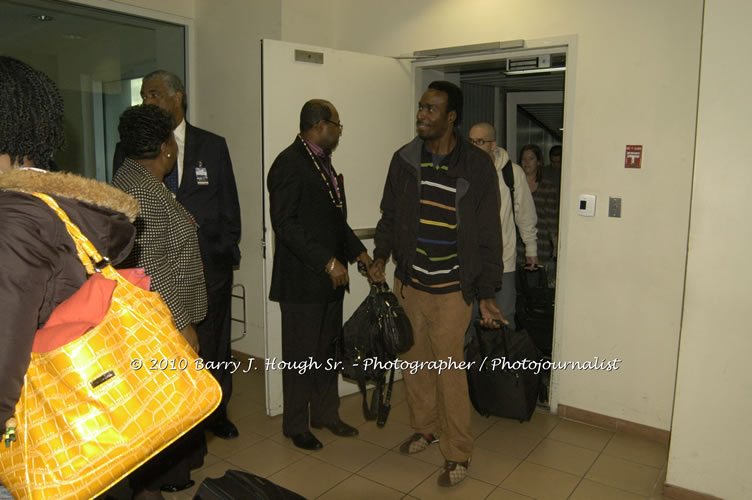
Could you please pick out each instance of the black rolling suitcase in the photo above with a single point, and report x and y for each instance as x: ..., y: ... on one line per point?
x: 535, y: 307
x: 237, y: 485
x: 498, y: 382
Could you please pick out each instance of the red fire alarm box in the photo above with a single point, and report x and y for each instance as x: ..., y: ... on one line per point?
x: 633, y: 158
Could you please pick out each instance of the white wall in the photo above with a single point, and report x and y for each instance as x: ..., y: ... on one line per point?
x: 710, y: 445
x: 308, y: 22
x: 636, y: 72
x: 228, y: 102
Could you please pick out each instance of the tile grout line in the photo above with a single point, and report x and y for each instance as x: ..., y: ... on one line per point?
x: 618, y: 489
x: 423, y: 481
x: 276, y: 471
x: 323, y: 462
x: 600, y: 453
x: 521, y: 461
x: 389, y: 450
x: 582, y: 477
x: 604, y: 484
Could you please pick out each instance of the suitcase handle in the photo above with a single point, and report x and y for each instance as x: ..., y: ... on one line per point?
x: 503, y: 333
x: 524, y: 285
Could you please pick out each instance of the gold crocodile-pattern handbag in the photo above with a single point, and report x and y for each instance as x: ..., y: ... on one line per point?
x: 87, y: 415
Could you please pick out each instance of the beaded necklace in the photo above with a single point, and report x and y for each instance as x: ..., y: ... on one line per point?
x: 336, y: 202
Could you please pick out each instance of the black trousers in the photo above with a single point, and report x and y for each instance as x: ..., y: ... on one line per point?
x: 214, y: 332
x: 309, y: 332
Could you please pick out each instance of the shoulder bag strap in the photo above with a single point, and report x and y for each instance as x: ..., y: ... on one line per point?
x: 87, y: 254
x: 507, y: 172
x: 372, y: 412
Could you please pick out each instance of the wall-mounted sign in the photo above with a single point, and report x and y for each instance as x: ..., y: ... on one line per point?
x: 633, y: 158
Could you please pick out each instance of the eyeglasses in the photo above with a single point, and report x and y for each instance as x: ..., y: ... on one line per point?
x: 479, y: 142
x: 338, y: 125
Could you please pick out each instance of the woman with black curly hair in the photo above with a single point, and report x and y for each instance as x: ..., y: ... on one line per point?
x: 167, y: 247
x: 166, y: 241
x: 39, y: 266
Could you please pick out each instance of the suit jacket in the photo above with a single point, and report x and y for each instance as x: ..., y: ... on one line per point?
x: 166, y: 244
x: 308, y: 230
x: 212, y: 200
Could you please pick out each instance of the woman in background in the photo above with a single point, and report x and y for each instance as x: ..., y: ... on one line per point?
x: 546, y: 198
x: 39, y: 266
x: 167, y: 247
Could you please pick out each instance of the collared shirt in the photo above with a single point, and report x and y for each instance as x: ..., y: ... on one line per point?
x: 180, y: 139
x: 326, y: 163
x: 316, y: 149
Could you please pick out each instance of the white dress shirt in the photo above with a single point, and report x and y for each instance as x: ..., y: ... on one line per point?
x: 180, y: 139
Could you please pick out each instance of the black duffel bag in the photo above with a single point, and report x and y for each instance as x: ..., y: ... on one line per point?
x: 498, y: 383
x: 241, y: 485
x: 376, y: 333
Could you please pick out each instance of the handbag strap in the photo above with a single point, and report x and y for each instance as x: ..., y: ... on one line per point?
x: 87, y: 253
x: 368, y: 413
x: 385, y: 405
x: 380, y: 399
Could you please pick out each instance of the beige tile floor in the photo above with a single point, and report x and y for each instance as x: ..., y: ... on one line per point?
x: 546, y: 458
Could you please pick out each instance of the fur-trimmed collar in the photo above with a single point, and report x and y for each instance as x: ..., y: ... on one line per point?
x: 73, y: 186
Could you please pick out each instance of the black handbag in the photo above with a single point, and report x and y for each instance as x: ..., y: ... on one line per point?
x: 376, y: 333
x: 394, y: 325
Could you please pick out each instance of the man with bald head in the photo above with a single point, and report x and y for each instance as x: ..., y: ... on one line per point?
x: 313, y: 245
x: 517, y: 208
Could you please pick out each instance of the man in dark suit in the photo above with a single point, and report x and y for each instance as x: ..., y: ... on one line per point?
x: 313, y: 245
x: 204, y: 183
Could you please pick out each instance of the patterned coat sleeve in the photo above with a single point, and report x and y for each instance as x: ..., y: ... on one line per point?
x: 152, y: 251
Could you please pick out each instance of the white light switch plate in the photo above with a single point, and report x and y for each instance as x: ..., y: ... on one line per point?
x: 586, y: 206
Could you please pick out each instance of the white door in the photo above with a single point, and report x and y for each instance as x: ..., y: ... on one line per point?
x: 374, y: 97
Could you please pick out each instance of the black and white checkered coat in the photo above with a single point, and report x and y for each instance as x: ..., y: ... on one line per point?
x: 166, y: 244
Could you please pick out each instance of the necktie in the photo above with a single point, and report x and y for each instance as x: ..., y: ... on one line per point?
x: 171, y: 181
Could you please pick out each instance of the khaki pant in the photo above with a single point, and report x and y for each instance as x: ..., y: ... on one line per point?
x: 439, y: 402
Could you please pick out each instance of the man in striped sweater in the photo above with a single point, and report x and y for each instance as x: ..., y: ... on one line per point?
x: 440, y: 221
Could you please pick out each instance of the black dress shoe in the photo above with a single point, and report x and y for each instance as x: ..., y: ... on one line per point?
x: 223, y: 428
x: 339, y: 428
x: 307, y: 441
x: 174, y: 488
